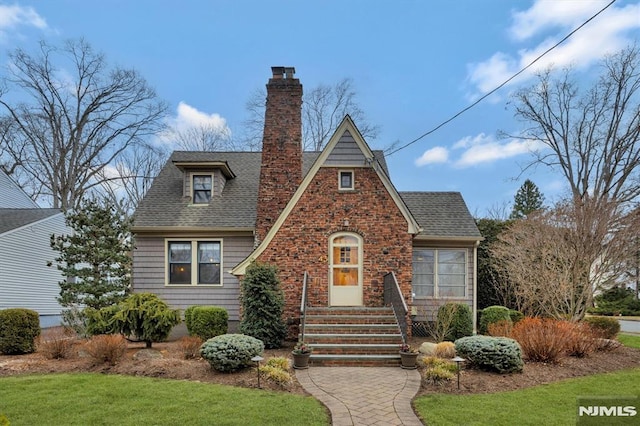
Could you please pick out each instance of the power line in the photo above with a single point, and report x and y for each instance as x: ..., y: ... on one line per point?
x: 486, y: 95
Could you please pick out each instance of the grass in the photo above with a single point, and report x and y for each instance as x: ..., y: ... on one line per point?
x: 96, y: 399
x: 630, y: 340
x: 552, y: 404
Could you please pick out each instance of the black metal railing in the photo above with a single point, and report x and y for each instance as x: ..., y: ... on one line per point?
x: 393, y: 297
x: 303, y: 305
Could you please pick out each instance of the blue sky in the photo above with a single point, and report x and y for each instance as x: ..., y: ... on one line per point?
x: 413, y: 63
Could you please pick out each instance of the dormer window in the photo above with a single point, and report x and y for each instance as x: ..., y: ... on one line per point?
x: 202, y: 185
x: 345, y: 180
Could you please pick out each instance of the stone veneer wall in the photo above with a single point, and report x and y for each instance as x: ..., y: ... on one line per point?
x: 302, y: 243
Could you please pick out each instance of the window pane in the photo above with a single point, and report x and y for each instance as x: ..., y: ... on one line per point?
x: 202, y: 183
x: 423, y: 290
x: 451, y: 268
x: 423, y: 256
x: 445, y: 291
x: 346, y: 180
x: 451, y: 256
x: 180, y: 273
x: 180, y: 252
x: 345, y: 240
x: 209, y: 273
x: 209, y: 252
x: 345, y: 276
x: 345, y: 255
x: 200, y: 197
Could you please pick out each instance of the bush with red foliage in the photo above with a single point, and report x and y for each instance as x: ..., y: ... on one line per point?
x: 541, y: 339
x: 106, y: 348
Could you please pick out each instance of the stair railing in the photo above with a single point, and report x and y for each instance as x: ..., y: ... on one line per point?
x: 303, y: 305
x: 393, y: 297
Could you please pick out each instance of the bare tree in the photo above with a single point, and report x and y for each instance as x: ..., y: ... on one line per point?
x: 202, y: 137
x: 74, y: 116
x: 323, y: 108
x: 553, y: 267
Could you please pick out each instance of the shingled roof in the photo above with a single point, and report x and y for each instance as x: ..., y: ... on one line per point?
x: 440, y: 214
x: 11, y: 219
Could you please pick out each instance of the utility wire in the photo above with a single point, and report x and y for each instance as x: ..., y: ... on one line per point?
x: 486, y: 95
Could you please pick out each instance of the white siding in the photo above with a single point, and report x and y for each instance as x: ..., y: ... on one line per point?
x: 12, y: 196
x: 25, y: 279
x: 149, y: 274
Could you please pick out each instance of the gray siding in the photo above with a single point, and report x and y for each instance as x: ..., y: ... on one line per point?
x: 345, y: 153
x: 25, y: 279
x: 427, y: 308
x: 13, y: 197
x: 149, y: 274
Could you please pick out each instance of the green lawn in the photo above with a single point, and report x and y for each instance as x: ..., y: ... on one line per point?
x: 97, y: 399
x: 553, y: 404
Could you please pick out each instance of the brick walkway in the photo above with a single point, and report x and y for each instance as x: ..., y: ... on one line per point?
x: 364, y: 395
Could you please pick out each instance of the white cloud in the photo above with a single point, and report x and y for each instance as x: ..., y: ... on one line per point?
x: 544, y: 24
x: 434, y: 155
x: 188, y: 117
x: 12, y: 17
x: 485, y: 149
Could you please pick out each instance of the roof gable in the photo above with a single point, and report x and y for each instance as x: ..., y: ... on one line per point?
x: 345, y: 139
x: 13, y: 196
x: 14, y: 219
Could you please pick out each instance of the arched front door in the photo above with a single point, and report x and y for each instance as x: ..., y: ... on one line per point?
x: 345, y: 269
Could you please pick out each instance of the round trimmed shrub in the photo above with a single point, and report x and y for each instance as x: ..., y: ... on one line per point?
x: 491, y: 315
x: 18, y: 331
x: 515, y: 316
x: 603, y: 327
x: 460, y: 320
x: 499, y: 354
x: 206, y: 322
x: 231, y: 352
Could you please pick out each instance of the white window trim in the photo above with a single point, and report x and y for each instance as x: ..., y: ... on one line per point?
x: 353, y: 180
x: 436, y: 275
x: 193, y: 198
x: 194, y: 261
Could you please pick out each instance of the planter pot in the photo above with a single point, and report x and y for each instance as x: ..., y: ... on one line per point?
x: 409, y: 360
x: 300, y: 361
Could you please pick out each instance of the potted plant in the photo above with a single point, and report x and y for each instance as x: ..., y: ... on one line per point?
x: 408, y: 356
x: 301, y: 353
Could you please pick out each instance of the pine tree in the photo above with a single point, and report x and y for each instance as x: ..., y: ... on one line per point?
x: 95, y: 259
x: 527, y: 200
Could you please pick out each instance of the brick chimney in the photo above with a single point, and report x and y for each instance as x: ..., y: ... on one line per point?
x: 281, y: 169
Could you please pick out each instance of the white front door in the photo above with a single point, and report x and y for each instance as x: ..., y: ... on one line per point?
x: 345, y: 270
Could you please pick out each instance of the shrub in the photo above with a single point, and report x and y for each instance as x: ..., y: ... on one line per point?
x: 18, y: 331
x: 445, y: 350
x: 491, y: 315
x: 58, y: 343
x: 515, y: 315
x: 542, y: 339
x: 190, y: 346
x: 433, y: 361
x: 188, y: 316
x: 437, y: 375
x: 279, y: 362
x: 99, y: 321
x: 499, y: 354
x: 231, y: 352
x: 106, y: 348
x: 581, y: 341
x: 458, y: 319
x: 146, y: 317
x: 616, y: 301
x: 263, y: 305
x: 603, y: 327
x: 276, y: 370
x: 500, y: 329
x: 207, y: 321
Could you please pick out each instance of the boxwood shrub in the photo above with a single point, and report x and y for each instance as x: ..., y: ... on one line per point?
x: 603, y: 327
x: 18, y: 330
x: 206, y: 322
x: 231, y: 352
x: 491, y: 315
x: 499, y: 354
x: 460, y: 318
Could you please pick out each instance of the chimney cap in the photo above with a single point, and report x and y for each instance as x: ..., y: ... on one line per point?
x: 283, y: 72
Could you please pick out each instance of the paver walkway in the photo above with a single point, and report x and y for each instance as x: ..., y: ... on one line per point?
x: 364, y: 395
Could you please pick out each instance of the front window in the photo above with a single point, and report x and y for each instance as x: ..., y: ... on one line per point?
x: 439, y: 273
x: 202, y: 188
x: 194, y: 262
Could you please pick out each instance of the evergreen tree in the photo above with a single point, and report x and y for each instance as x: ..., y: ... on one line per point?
x: 527, y: 200
x: 263, y: 305
x: 95, y: 259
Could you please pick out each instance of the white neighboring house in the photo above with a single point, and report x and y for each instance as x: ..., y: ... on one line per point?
x: 26, y: 280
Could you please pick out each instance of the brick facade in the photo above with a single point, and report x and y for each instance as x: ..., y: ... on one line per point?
x: 302, y: 243
x: 281, y: 169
